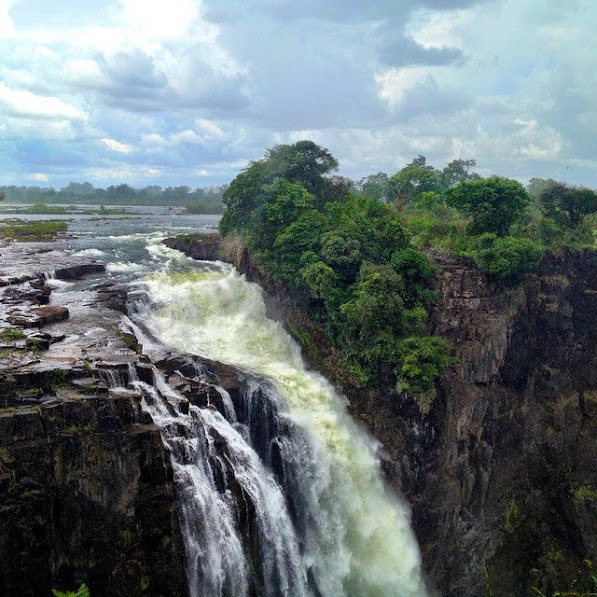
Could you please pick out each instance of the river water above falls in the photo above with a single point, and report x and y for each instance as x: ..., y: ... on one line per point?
x: 316, y: 518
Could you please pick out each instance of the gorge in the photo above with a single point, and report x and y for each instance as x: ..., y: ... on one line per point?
x: 269, y: 500
x: 499, y: 468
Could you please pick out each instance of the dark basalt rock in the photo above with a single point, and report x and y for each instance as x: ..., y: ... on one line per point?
x: 75, y: 272
x: 86, y: 484
x: 112, y: 296
x: 205, y: 247
x: 500, y: 471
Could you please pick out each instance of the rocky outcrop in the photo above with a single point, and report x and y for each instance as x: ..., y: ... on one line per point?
x: 500, y: 471
x: 204, y: 247
x: 86, y: 495
x: 86, y: 484
x: 505, y: 492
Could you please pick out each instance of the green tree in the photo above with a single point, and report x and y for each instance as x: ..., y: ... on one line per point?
x: 303, y: 162
x: 536, y: 186
x: 242, y: 196
x: 2, y: 195
x: 493, y: 203
x: 297, y: 246
x: 568, y: 205
x: 375, y: 186
x: 421, y: 359
x: 458, y: 171
x: 507, y: 257
x: 408, y: 184
x: 375, y: 309
x: 281, y: 204
x: 417, y: 271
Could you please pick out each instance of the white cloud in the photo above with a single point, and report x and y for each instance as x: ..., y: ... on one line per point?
x: 157, y: 83
x: 39, y: 177
x: 211, y: 128
x: 117, y: 146
x: 159, y: 19
x: 439, y: 29
x: 157, y: 141
x: 18, y: 102
x: 187, y: 136
x: 394, y: 83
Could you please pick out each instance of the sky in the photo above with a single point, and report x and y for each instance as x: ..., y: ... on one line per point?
x: 187, y: 92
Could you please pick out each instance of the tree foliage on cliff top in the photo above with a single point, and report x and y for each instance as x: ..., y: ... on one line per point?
x: 347, y: 257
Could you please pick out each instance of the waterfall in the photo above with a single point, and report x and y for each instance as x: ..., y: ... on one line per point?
x: 280, y: 492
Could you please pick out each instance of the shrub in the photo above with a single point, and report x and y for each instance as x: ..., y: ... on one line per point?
x: 506, y: 258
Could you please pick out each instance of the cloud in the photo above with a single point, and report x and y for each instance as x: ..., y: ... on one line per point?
x: 6, y: 22
x: 22, y: 103
x: 129, y: 90
x: 210, y: 128
x: 117, y: 146
x: 39, y: 177
x: 159, y: 19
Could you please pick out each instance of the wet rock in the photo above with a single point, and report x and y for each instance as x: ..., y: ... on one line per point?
x: 37, y: 316
x: 205, y: 247
x: 112, y: 296
x: 26, y: 293
x: 50, y: 314
x: 75, y: 272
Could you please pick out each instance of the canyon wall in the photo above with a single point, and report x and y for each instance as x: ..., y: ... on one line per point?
x: 501, y: 469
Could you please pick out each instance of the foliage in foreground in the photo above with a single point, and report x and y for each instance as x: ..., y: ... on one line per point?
x: 346, y: 257
x: 82, y: 591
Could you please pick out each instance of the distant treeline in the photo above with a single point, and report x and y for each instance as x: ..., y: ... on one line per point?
x: 208, y: 200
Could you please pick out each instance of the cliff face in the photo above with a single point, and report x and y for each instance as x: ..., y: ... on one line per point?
x: 501, y: 471
x: 506, y: 494
x: 86, y: 495
x: 86, y: 484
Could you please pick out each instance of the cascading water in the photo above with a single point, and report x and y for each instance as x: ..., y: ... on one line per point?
x: 280, y: 491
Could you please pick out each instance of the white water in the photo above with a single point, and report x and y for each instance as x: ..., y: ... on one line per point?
x: 324, y: 524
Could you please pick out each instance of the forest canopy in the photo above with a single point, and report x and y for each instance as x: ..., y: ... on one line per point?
x: 353, y: 253
x: 345, y: 255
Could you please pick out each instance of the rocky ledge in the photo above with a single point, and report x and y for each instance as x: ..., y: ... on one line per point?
x: 86, y: 483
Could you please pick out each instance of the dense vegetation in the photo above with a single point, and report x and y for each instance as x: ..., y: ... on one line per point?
x: 351, y: 252
x: 197, y: 201
x: 504, y: 227
x: 346, y: 256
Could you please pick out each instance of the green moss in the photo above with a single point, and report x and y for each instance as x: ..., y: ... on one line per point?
x: 43, y: 208
x: 11, y: 334
x: 59, y: 376
x: 33, y: 231
x: 82, y: 591
x: 512, y: 516
x: 585, y: 492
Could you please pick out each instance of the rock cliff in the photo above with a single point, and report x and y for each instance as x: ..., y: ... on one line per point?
x: 501, y: 470
x: 87, y: 493
x: 86, y: 488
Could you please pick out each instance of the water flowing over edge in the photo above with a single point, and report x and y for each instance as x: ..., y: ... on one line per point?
x: 354, y: 536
